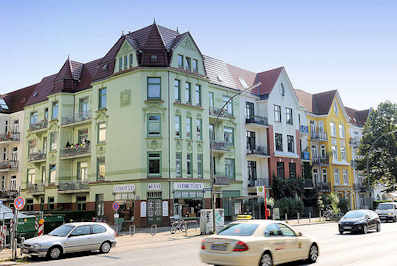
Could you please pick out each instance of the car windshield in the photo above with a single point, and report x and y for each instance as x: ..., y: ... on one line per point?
x: 63, y: 230
x: 355, y: 214
x: 237, y: 229
x: 385, y: 207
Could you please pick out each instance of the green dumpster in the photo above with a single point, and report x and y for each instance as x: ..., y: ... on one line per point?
x: 52, y: 221
x: 26, y: 227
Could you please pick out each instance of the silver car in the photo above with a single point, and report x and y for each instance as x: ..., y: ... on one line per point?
x: 71, y: 237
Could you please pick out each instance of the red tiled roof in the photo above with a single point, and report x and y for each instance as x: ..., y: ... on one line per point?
x: 16, y: 100
x: 357, y: 118
x: 268, y: 80
x: 318, y: 103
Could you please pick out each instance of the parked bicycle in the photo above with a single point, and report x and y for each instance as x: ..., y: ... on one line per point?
x: 328, y: 213
x: 178, y: 225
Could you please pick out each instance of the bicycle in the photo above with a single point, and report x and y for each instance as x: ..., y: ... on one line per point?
x: 178, y: 225
x: 328, y: 214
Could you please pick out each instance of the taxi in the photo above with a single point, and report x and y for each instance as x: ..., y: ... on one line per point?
x: 257, y: 242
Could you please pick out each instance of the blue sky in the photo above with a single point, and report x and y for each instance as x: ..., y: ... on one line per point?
x: 346, y: 45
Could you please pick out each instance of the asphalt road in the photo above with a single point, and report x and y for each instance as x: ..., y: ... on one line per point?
x: 348, y: 249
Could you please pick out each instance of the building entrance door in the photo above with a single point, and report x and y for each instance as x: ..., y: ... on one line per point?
x: 154, y: 208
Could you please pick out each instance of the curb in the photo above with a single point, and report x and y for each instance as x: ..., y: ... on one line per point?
x: 310, y: 223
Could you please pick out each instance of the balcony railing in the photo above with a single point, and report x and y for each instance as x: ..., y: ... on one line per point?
x: 38, y: 125
x: 304, y: 129
x: 257, y: 150
x: 77, y: 117
x: 305, y: 155
x: 10, y: 136
x: 319, y: 136
x: 320, y: 160
x: 10, y: 193
x: 222, y: 180
x: 254, y: 182
x: 308, y: 183
x: 260, y: 120
x: 221, y: 146
x: 360, y: 187
x: 10, y: 164
x: 219, y: 112
x: 72, y: 185
x: 75, y: 150
x: 323, y: 187
x: 37, y: 156
x: 35, y: 188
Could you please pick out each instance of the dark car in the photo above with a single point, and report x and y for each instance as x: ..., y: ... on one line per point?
x: 359, y: 221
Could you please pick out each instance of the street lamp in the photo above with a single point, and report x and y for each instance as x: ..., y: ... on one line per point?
x: 212, y: 174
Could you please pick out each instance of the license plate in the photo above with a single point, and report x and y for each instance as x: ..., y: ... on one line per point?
x: 347, y: 227
x: 219, y: 247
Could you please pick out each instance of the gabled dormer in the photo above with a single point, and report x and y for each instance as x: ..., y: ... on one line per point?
x: 126, y: 56
x: 68, y: 78
x: 186, y: 55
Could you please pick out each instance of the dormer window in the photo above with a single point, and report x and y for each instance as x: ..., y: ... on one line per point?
x: 180, y: 61
x: 153, y: 59
x: 125, y: 62
x: 120, y: 63
x: 131, y: 60
x: 188, y: 65
x: 195, y: 65
x: 282, y: 90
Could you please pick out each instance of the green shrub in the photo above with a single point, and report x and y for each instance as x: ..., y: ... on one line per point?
x: 291, y: 206
x: 343, y: 205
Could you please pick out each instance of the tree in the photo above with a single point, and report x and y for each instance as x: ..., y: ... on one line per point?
x: 287, y: 187
x: 379, y: 146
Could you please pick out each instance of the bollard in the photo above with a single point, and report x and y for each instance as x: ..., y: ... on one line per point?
x: 132, y: 231
x: 286, y: 218
x: 21, y: 247
x: 298, y: 217
x: 310, y: 217
x: 153, y: 229
x: 185, y: 228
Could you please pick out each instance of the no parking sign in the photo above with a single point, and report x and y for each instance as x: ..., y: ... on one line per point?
x: 115, y: 206
x: 19, y: 203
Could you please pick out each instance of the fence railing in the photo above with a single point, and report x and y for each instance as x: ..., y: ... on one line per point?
x: 9, y: 164
x: 221, y: 146
x: 34, y: 188
x: 257, y: 150
x: 37, y: 156
x: 72, y: 185
x: 78, y: 149
x: 260, y: 120
x: 77, y: 117
x: 323, y: 187
x: 254, y: 182
x: 38, y: 125
x: 322, y: 160
x: 319, y: 136
x: 10, y: 136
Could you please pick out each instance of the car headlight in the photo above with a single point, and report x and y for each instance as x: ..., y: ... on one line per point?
x: 36, y: 246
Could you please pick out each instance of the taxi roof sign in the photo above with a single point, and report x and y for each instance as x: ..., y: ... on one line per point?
x: 244, y: 217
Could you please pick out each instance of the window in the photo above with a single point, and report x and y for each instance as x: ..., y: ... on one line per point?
x: 54, y: 110
x: 188, y: 93
x: 82, y: 171
x: 345, y: 177
x: 229, y: 106
x: 195, y: 65
x: 334, y: 153
x: 31, y: 147
x: 31, y: 176
x: 46, y: 114
x: 290, y: 119
x: 323, y: 153
x: 178, y: 167
x: 198, y: 95
x: 178, y: 127
x: 154, y: 164
x: 336, y: 176
x: 188, y: 64
x: 153, y: 58
x: 292, y: 170
x: 101, y: 132
x: 82, y: 136
x: 228, y: 134
x: 324, y: 175
x: 83, y: 107
x: 53, y: 141
x: 154, y: 125
x: 315, y: 174
x: 41, y: 203
x: 180, y: 61
x: 102, y: 98
x: 53, y: 173
x: 280, y: 169
x: 43, y: 175
x: 81, y: 231
x: 51, y: 203
x: 199, y: 125
x: 189, y: 165
x: 34, y: 118
x: 99, y: 205
x: 272, y: 230
x: 291, y: 143
x: 282, y: 90
x: 120, y: 63
x: 189, y: 127
x: 98, y: 229
x: 153, y: 88
x: 279, y: 142
x: 335, y: 107
x: 177, y: 90
x: 277, y: 113
x: 249, y: 110
x: 341, y: 131
x: 200, y: 165
x: 251, y: 173
x: 229, y: 168
x: 211, y: 100
x: 286, y: 231
x: 343, y: 153
x: 251, y: 141
x: 131, y: 59
x: 125, y: 62
x: 333, y: 129
x: 81, y: 203
x: 101, y: 169
x: 211, y: 131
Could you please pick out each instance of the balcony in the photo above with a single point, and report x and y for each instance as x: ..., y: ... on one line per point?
x: 260, y: 151
x: 78, y: 150
x: 218, y: 112
x: 320, y: 160
x: 221, y: 146
x: 8, y: 194
x: 37, y: 157
x: 77, y: 118
x: 305, y: 156
x: 255, y: 182
x: 36, y: 188
x: 8, y: 165
x: 360, y: 187
x: 319, y: 136
x: 323, y: 187
x: 73, y: 186
x: 222, y: 180
x: 10, y: 137
x: 257, y: 120
x: 38, y: 125
x: 304, y: 130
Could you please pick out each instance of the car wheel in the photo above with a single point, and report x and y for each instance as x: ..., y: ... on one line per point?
x: 266, y: 260
x: 395, y: 219
x: 341, y: 231
x: 105, y: 247
x: 378, y: 227
x: 365, y: 229
x: 313, y: 254
x: 54, y: 253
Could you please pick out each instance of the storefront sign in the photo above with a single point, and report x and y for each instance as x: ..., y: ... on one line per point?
x: 188, y: 186
x: 222, y: 180
x: 165, y: 208
x: 143, y: 208
x: 188, y: 195
x: 154, y: 187
x: 124, y: 188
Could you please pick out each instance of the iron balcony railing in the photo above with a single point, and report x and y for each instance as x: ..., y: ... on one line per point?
x: 219, y: 112
x: 255, y: 182
x: 35, y: 188
x: 75, y: 150
x: 323, y: 187
x: 38, y: 125
x: 10, y: 193
x: 223, y: 180
x: 9, y: 164
x: 72, y: 185
x: 10, y: 136
x: 319, y: 136
x: 77, y: 117
x: 320, y: 160
x: 260, y: 120
x: 221, y: 146
x: 257, y: 150
x: 37, y: 156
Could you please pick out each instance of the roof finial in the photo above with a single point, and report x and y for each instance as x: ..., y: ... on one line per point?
x: 154, y: 20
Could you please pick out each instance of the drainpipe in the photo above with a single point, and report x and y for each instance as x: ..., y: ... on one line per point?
x: 169, y: 146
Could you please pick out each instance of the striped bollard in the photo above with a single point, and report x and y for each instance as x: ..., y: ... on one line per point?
x: 41, y: 228
x: 3, y: 236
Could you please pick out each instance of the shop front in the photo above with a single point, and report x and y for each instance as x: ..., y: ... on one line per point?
x: 125, y: 195
x: 188, y: 199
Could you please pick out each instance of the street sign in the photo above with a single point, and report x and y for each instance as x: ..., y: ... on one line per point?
x: 19, y: 203
x: 115, y: 206
x: 260, y: 191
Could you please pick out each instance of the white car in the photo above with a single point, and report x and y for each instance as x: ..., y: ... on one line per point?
x: 71, y: 237
x: 387, y: 211
x: 258, y: 242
